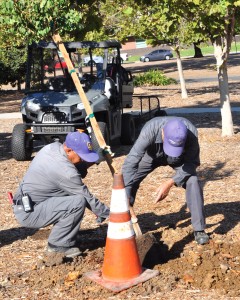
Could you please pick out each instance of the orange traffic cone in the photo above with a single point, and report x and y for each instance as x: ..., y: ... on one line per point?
x: 121, y: 266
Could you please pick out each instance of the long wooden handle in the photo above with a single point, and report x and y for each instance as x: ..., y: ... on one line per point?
x: 57, y: 39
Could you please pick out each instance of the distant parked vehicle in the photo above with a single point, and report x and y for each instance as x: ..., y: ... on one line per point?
x: 157, y: 55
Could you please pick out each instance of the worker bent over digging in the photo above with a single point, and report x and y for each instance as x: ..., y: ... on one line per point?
x: 171, y: 141
x: 52, y: 192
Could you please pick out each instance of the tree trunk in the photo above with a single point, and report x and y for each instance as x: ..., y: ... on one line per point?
x: 225, y: 107
x: 197, y: 50
x: 19, y: 84
x: 181, y: 77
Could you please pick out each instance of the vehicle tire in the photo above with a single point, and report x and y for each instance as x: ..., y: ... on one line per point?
x: 22, y: 143
x: 146, y: 59
x: 128, y: 133
x: 167, y: 57
x: 105, y: 132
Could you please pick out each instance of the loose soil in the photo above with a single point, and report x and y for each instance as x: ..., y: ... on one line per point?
x: 186, y: 270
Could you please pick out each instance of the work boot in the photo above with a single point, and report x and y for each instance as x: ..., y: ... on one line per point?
x: 67, y: 251
x: 201, y: 237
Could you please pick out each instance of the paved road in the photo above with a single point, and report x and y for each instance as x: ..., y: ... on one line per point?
x: 194, y: 69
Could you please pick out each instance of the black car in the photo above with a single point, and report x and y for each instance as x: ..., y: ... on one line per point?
x: 157, y: 55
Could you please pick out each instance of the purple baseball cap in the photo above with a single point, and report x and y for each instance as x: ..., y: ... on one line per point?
x: 175, y: 135
x: 80, y: 143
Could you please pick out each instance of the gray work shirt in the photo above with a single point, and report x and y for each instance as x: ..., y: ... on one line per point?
x: 149, y: 146
x: 51, y: 174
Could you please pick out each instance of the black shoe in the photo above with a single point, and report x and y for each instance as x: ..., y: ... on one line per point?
x: 67, y: 251
x: 201, y: 237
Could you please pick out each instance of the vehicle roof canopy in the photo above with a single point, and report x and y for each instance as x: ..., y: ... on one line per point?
x: 79, y: 45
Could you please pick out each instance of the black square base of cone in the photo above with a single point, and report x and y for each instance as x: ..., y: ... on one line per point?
x: 120, y: 286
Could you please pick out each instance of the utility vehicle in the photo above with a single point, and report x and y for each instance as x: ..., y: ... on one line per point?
x: 52, y: 107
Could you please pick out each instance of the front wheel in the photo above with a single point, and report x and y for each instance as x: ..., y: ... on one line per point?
x: 167, y: 57
x: 22, y: 143
x: 128, y: 133
x: 146, y: 59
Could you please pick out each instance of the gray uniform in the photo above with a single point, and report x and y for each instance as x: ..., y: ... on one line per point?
x: 147, y: 154
x: 58, y: 194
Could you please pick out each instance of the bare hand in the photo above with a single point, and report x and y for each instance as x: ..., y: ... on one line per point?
x: 163, y: 190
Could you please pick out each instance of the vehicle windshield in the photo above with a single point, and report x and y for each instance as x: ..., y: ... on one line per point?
x: 48, y: 70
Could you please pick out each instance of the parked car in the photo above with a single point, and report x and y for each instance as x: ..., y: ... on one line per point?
x: 157, y: 55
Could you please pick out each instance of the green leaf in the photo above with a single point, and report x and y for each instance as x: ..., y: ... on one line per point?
x: 128, y: 11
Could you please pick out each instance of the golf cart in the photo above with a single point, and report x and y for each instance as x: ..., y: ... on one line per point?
x: 52, y: 107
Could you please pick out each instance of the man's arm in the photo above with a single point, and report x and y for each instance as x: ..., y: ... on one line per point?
x: 73, y: 185
x: 132, y: 160
x: 191, y: 160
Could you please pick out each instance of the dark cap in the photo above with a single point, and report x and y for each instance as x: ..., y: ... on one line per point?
x: 175, y: 135
x: 80, y: 143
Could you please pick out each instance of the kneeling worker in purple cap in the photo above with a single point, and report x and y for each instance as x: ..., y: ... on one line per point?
x: 168, y: 141
x: 52, y: 192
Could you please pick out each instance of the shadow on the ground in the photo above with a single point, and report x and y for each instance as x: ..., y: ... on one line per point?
x: 231, y: 218
x: 9, y: 236
x: 5, y: 146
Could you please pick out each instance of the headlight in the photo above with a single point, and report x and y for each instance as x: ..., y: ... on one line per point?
x: 80, y: 106
x: 34, y: 107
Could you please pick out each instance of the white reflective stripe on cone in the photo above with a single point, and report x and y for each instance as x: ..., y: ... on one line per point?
x: 120, y: 231
x: 119, y: 201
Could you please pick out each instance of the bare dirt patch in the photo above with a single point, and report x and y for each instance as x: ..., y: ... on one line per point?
x: 187, y: 271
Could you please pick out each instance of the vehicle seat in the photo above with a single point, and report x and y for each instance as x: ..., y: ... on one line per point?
x: 61, y: 84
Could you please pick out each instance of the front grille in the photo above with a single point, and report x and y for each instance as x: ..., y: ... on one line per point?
x: 55, y: 117
x: 60, y: 129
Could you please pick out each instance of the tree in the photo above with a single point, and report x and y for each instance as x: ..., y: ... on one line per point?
x: 217, y: 20
x: 185, y: 22
x: 13, y: 66
x: 197, y: 50
x: 25, y: 21
x: 159, y: 22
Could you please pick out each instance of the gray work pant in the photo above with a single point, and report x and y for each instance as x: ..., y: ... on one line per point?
x: 194, y: 193
x: 65, y: 213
